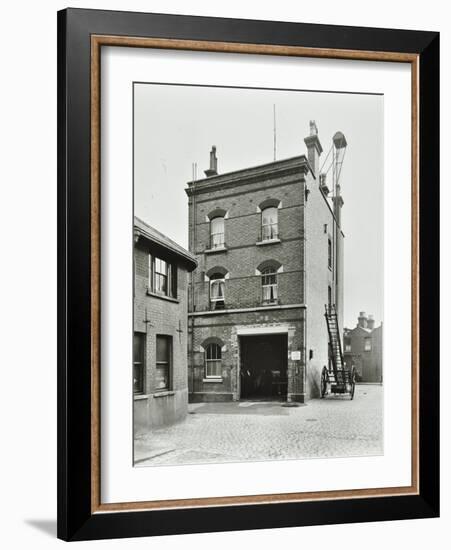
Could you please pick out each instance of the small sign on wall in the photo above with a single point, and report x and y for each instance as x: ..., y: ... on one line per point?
x: 295, y: 355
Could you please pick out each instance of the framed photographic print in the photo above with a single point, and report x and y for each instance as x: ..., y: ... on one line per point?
x: 248, y: 274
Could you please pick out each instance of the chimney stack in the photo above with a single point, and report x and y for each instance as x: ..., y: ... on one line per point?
x: 362, y: 320
x: 213, y: 170
x: 370, y: 322
x: 339, y: 144
x: 314, y: 148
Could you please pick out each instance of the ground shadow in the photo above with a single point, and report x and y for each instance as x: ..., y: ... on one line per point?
x: 47, y: 526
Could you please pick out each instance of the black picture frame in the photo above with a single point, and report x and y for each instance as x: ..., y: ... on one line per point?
x: 76, y: 521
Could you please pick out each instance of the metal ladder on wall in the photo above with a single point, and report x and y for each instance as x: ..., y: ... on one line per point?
x: 339, y: 374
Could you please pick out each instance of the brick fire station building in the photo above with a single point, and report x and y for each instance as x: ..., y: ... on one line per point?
x: 269, y: 248
x: 160, y: 376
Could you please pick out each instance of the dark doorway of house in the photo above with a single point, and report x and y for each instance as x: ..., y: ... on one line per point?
x: 263, y: 373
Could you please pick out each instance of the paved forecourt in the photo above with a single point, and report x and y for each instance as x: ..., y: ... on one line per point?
x: 247, y: 430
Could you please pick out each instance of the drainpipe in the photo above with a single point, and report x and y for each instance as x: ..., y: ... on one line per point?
x: 304, y: 296
x: 303, y: 315
x: 193, y: 302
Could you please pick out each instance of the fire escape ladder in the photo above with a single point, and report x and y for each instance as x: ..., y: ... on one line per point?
x: 339, y: 372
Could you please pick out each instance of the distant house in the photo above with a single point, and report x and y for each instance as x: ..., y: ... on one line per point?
x: 362, y: 348
x: 160, y: 379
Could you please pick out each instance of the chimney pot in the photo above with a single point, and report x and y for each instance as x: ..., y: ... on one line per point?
x: 213, y: 170
x: 313, y: 128
x: 362, y: 320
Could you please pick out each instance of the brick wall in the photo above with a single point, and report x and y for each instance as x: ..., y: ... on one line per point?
x: 319, y: 223
x: 159, y: 316
x: 242, y: 229
x: 377, y: 370
x: 226, y: 327
x: 241, y: 200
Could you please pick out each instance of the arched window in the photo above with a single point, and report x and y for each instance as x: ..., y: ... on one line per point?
x: 213, y: 365
x: 269, y: 285
x: 217, y: 232
x: 269, y: 224
x: 217, y: 291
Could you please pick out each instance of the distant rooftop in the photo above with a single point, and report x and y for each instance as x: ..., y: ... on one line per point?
x: 155, y: 236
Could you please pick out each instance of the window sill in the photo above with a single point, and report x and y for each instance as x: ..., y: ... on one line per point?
x: 273, y: 303
x: 215, y: 250
x: 140, y: 396
x: 162, y: 297
x: 218, y: 380
x: 165, y: 393
x: 268, y: 241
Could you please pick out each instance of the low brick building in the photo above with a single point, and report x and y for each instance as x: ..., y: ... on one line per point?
x: 269, y: 248
x: 160, y: 376
x: 363, y: 349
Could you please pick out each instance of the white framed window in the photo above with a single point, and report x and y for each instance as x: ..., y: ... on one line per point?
x: 162, y: 277
x: 217, y: 291
x: 367, y: 344
x: 269, y: 285
x: 163, y: 363
x: 161, y: 273
x: 217, y: 232
x: 270, y: 224
x: 213, y: 361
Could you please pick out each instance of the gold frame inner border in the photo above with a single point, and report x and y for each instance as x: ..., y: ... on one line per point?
x: 97, y: 41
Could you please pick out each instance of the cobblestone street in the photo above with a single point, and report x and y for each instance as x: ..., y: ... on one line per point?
x: 240, y: 431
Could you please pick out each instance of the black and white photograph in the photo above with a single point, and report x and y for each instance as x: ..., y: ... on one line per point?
x: 258, y: 231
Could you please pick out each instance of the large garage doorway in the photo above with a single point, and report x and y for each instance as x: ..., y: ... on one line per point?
x: 263, y: 372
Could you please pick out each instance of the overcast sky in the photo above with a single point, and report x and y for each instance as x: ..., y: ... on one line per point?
x: 176, y: 126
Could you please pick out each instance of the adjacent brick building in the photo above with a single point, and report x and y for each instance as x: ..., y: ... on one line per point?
x: 363, y: 349
x: 160, y: 376
x: 269, y: 248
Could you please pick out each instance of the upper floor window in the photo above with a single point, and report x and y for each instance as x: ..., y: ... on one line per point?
x: 162, y: 272
x: 163, y: 277
x: 269, y: 224
x: 213, y: 363
x: 329, y: 252
x: 217, y: 232
x: 347, y: 344
x: 269, y: 285
x: 367, y: 344
x: 217, y: 291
